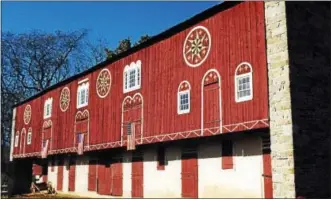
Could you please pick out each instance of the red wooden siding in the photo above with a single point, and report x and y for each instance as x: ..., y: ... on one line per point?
x: 227, y: 154
x: 237, y: 35
x: 117, y: 178
x: 60, y: 176
x: 104, y: 177
x: 267, y: 169
x: 137, y: 190
x: 189, y: 175
x: 72, y: 175
x: 36, y: 169
x: 92, y: 175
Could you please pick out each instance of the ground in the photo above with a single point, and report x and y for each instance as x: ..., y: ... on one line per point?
x: 43, y: 195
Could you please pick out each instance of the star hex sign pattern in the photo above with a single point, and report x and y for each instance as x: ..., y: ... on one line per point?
x: 64, y: 99
x: 196, y: 46
x: 103, y: 83
x: 27, y: 114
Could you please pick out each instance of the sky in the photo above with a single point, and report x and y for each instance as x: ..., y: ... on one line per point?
x: 109, y: 21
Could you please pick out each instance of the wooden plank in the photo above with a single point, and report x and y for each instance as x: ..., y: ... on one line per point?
x: 137, y: 177
x: 189, y: 175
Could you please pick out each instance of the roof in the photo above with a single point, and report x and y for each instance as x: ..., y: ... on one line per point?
x: 155, y: 39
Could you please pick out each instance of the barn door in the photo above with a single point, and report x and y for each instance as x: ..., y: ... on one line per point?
x: 189, y: 174
x: 211, y: 103
x: 92, y: 175
x: 104, y: 175
x: 59, y: 176
x: 117, y: 178
x: 72, y: 175
x: 137, y: 176
x: 267, y: 172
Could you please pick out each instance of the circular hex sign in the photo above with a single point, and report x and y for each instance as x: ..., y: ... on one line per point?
x: 103, y: 83
x: 27, y: 114
x: 64, y: 99
x: 196, y: 46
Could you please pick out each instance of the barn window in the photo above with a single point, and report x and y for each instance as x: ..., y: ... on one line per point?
x: 129, y: 129
x: 29, y: 137
x: 17, y: 137
x: 161, y: 159
x: 132, y: 77
x: 243, y: 82
x: 48, y: 108
x: 183, y: 98
x: 82, y: 95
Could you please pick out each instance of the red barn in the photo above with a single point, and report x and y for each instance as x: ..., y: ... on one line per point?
x: 185, y: 114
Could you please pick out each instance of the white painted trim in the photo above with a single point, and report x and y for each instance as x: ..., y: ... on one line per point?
x: 27, y: 137
x: 127, y: 69
x: 179, y: 111
x: 17, y: 138
x: 220, y: 98
x: 88, y: 127
x: 198, y: 64
x: 142, y: 114
x: 84, y: 86
x: 236, y: 77
x: 22, y: 148
x: 96, y: 86
x: 27, y: 106
x: 65, y: 88
x: 48, y: 102
x: 82, y: 81
x: 12, y: 135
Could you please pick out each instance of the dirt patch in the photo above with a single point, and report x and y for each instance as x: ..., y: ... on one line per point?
x: 48, y: 196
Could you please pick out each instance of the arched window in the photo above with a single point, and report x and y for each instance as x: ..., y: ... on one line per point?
x: 29, y: 137
x: 82, y: 95
x: 243, y: 82
x: 17, y: 137
x: 183, y: 98
x: 48, y: 108
x: 132, y: 77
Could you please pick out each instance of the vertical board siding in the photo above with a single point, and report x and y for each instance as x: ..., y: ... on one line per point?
x: 137, y: 190
x: 237, y: 35
x: 72, y: 174
x: 92, y: 175
x: 189, y: 175
x: 60, y: 177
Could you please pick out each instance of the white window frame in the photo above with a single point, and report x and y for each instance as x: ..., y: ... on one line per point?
x: 241, y: 76
x: 48, y: 108
x: 82, y: 87
x: 17, y: 137
x: 29, y: 137
x: 134, y: 66
x: 179, y: 93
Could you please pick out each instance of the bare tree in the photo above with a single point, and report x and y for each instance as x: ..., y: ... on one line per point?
x: 32, y: 62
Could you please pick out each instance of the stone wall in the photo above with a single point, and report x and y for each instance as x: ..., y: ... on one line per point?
x: 308, y: 32
x: 280, y: 110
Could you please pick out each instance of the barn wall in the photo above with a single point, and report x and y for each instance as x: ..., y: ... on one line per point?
x: 243, y: 181
x: 127, y: 170
x: 237, y: 35
x: 162, y: 183
x: 81, y: 181
x: 66, y: 175
x: 52, y: 176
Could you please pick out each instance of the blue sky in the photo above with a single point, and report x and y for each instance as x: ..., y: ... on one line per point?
x: 111, y: 21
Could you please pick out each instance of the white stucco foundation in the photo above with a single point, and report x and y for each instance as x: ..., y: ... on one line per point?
x: 243, y: 181
x: 162, y: 183
x: 127, y: 170
x: 81, y: 178
x: 52, y: 175
x: 65, y: 186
